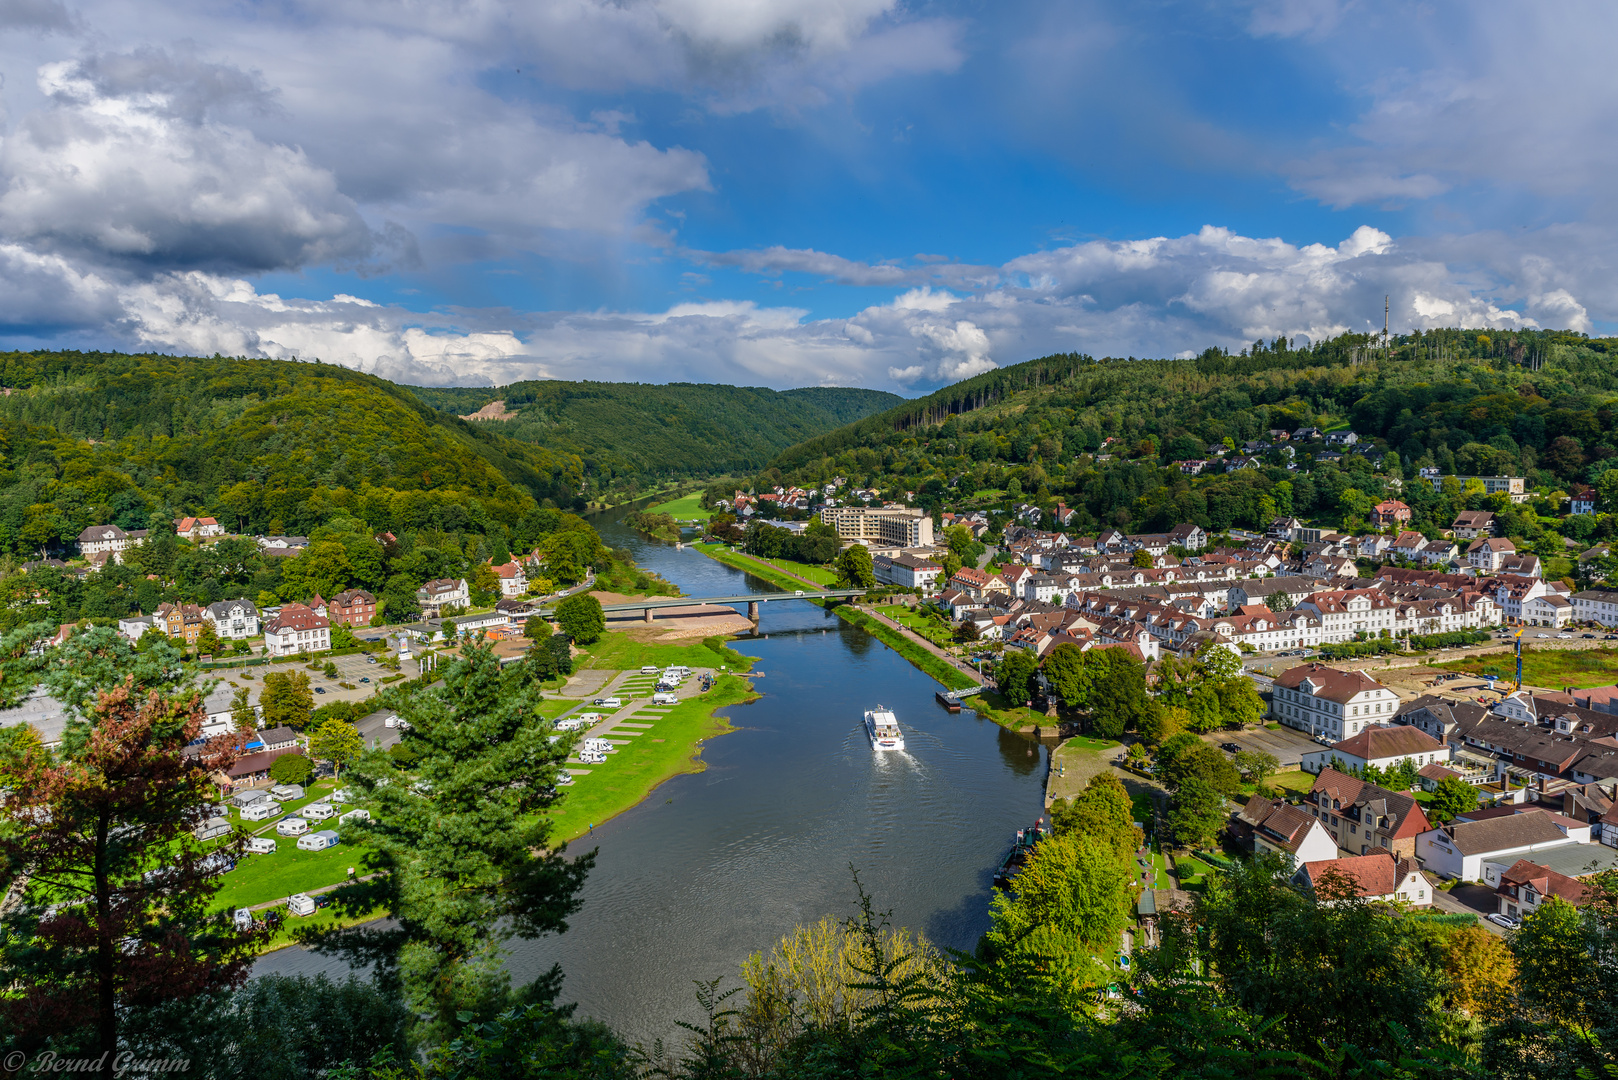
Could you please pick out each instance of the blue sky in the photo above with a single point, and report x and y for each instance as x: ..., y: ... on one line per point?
x: 794, y: 192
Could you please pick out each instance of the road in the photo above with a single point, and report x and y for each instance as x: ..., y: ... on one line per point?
x: 1469, y: 900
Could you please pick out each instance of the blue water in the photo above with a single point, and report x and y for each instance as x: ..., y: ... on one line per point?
x: 722, y: 863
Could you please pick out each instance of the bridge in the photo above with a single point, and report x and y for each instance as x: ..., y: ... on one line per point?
x: 652, y: 604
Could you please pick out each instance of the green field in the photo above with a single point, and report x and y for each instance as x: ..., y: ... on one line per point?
x: 668, y: 748
x: 991, y: 706
x: 770, y: 569
x: 619, y: 651
x: 685, y: 508
x: 1289, y: 782
x: 259, y: 879
x: 1553, y: 668
x: 931, y: 628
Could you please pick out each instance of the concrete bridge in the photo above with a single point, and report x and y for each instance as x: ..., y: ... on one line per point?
x: 652, y: 604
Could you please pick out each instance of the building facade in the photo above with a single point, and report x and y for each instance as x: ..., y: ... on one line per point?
x: 233, y: 619
x: 297, y: 629
x: 881, y: 526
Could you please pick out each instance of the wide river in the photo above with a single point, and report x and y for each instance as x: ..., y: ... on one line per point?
x: 722, y: 863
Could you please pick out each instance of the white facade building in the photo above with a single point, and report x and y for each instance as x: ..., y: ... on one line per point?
x: 1333, y: 704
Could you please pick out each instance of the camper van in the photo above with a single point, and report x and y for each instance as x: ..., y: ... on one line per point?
x: 318, y: 841
x: 292, y: 826
x: 260, y: 845
x: 665, y: 699
x: 301, y: 904
x: 243, y: 919
x: 318, y: 811
x: 262, y: 810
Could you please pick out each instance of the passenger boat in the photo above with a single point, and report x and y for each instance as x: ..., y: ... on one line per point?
x: 883, y: 728
x: 1022, y: 846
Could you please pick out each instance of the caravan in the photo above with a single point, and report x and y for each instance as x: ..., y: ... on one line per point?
x: 262, y: 810
x: 318, y: 841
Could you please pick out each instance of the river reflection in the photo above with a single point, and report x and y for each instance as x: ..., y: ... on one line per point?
x: 721, y: 863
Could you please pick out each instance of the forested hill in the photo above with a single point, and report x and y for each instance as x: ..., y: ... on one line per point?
x: 1102, y: 435
x: 631, y: 433
x: 266, y: 446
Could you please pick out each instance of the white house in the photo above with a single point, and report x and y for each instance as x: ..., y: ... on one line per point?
x: 1327, y: 702
x: 1377, y: 876
x: 513, y: 582
x: 197, y: 528
x: 906, y: 571
x: 1279, y: 826
x: 1488, y: 552
x: 295, y: 630
x: 109, y: 540
x: 1348, y: 612
x: 1596, y: 606
x: 442, y: 593
x: 1459, y: 849
x: 1383, y: 747
x: 233, y: 618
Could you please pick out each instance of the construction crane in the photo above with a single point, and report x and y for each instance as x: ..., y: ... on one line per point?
x: 1519, y: 661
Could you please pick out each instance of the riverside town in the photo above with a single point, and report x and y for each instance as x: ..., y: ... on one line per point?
x: 695, y: 540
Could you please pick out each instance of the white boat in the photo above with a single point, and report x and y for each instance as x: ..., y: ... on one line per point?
x: 883, y: 728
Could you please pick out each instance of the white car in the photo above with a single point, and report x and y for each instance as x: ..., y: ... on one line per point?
x: 1565, y: 637
x: 1503, y: 920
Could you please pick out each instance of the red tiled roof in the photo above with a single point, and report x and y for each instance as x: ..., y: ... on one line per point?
x: 1385, y: 742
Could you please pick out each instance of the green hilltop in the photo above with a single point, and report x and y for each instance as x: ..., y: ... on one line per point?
x: 631, y: 435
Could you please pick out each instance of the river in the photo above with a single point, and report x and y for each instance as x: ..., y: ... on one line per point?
x: 722, y: 863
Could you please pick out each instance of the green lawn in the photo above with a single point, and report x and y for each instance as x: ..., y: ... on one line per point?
x: 619, y: 651
x: 258, y: 879
x: 767, y: 569
x: 1554, y: 668
x: 1295, y: 781
x: 667, y: 749
x: 1193, y: 873
x: 326, y: 918
x: 932, y: 629
x: 992, y: 706
x: 685, y: 508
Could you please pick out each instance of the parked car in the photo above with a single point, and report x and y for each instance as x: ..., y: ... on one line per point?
x: 1564, y: 637
x: 1589, y: 635
x: 1231, y: 748
x: 1502, y: 920
x: 320, y: 689
x: 365, y: 678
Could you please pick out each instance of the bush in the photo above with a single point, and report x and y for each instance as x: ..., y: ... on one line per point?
x: 291, y: 768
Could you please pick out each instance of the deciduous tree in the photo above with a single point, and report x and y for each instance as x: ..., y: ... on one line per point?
x: 336, y: 741
x: 581, y: 618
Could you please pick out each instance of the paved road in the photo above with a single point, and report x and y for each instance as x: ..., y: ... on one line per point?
x: 1470, y: 900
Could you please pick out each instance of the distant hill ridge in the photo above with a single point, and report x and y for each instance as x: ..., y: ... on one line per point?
x: 640, y: 432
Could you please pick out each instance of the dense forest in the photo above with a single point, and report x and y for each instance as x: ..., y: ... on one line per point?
x: 1103, y: 435
x: 265, y: 446
x: 633, y: 435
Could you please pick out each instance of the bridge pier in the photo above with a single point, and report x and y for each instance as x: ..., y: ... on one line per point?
x: 648, y: 614
x: 752, y: 611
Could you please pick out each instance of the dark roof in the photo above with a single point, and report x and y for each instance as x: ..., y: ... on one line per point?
x: 1386, y: 742
x: 1502, y: 833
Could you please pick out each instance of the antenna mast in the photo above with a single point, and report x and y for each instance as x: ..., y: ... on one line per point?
x: 1384, y: 320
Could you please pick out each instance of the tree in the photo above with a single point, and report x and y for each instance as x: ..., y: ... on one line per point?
x: 1452, y: 796
x: 581, y: 618
x: 464, y: 840
x: 1013, y: 675
x: 1142, y: 559
x: 1280, y: 601
x: 115, y: 915
x: 1186, y: 756
x: 207, y: 640
x: 485, y: 585
x: 1196, y: 812
x: 291, y: 768
x: 854, y: 570
x: 342, y: 637
x: 1482, y: 972
x: 242, y: 714
x: 1239, y: 702
x: 1103, y: 810
x: 336, y: 741
x: 1257, y: 766
x: 286, y: 699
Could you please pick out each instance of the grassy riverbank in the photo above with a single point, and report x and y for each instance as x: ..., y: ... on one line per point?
x: 918, y: 656
x: 780, y: 572
x: 685, y: 508
x: 670, y: 747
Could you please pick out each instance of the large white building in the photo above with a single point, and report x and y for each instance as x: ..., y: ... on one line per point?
x: 1596, y: 606
x: 881, y: 526
x: 297, y: 629
x: 906, y: 571
x: 109, y: 540
x: 233, y: 618
x: 1346, y: 613
x: 1327, y: 702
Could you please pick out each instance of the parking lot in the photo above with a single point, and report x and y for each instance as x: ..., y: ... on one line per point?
x: 1287, y: 745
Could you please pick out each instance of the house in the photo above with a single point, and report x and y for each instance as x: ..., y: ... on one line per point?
x: 297, y: 629
x: 1582, y: 501
x: 1487, y: 553
x: 283, y: 546
x: 180, y: 621
x: 1596, y: 606
x: 233, y: 619
x: 109, y: 541
x: 1470, y: 524
x: 1188, y: 536
x: 1274, y: 825
x: 1346, y: 613
x: 253, y: 770
x: 351, y: 607
x: 441, y: 593
x: 906, y: 571
x: 513, y: 582
x: 1459, y: 849
x: 1524, y: 885
x: 1324, y: 701
x: 1389, y: 513
x: 1379, y: 875
x: 197, y: 528
x: 1383, y: 747
x: 1362, y: 817
x: 133, y: 626
x: 1552, y: 609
